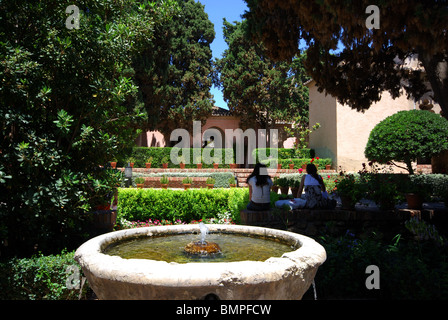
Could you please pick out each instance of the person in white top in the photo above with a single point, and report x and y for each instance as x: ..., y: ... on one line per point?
x: 260, y: 184
x: 315, y: 190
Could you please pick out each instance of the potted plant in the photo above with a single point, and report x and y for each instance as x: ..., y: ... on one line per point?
x: 131, y: 161
x: 139, y: 181
x: 113, y: 163
x: 164, y: 182
x: 275, y: 185
x: 216, y: 163
x: 148, y: 162
x: 210, y: 182
x: 181, y: 161
x: 328, y: 167
x: 232, y: 182
x: 199, y: 162
x: 187, y: 182
x: 295, y: 185
x: 283, y: 185
x: 415, y: 194
x: 349, y: 190
x: 291, y: 164
x: 165, y: 162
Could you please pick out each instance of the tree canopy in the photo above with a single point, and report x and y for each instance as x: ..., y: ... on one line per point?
x: 371, y: 60
x: 67, y: 107
x: 175, y: 72
x: 255, y: 87
x: 407, y: 136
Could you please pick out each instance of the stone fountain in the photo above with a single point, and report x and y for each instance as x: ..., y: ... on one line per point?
x: 284, y: 277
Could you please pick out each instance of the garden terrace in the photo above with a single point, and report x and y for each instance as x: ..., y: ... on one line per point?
x: 198, y: 182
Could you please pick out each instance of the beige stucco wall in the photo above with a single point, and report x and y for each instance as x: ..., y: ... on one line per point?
x: 344, y: 132
x: 354, y: 128
x: 322, y: 110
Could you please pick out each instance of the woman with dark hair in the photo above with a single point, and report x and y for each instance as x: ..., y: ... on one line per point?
x: 260, y: 184
x: 314, y: 190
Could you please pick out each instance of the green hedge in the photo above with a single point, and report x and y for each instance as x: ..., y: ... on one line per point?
x: 321, y: 163
x: 39, y: 278
x: 184, y: 205
x: 221, y: 178
x: 283, y: 153
x: 141, y: 154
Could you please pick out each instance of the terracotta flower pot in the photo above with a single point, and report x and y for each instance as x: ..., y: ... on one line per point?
x: 232, y: 185
x: 131, y: 164
x: 182, y: 165
x: 303, y: 166
x: 210, y: 186
x: 284, y: 190
x: 164, y: 186
x: 216, y: 165
x: 279, y: 166
x: 113, y: 164
x: 328, y: 167
x: 165, y: 165
x: 291, y: 166
x: 415, y: 201
x: 139, y: 185
x: 187, y: 186
x: 148, y: 165
x: 199, y: 165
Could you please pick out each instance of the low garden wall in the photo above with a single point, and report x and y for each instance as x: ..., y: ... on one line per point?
x: 337, y: 222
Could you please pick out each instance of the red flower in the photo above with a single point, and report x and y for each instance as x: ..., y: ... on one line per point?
x: 317, y: 158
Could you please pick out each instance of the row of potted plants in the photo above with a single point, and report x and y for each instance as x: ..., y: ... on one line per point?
x: 187, y: 182
x: 165, y: 162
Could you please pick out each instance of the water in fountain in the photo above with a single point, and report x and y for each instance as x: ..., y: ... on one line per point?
x: 202, y: 248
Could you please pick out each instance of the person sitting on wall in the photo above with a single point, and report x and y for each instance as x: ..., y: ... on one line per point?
x: 260, y: 184
x: 316, y: 195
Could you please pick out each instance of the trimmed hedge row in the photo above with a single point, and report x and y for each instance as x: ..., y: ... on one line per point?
x: 184, y: 205
x: 140, y: 156
x: 221, y: 178
x: 283, y: 153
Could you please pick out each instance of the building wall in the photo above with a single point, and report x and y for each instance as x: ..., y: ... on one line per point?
x: 322, y: 110
x: 354, y: 128
x: 344, y: 132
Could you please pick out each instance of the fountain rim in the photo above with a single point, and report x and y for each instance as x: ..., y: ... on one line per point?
x: 90, y: 256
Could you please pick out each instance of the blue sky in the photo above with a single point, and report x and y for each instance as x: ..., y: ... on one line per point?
x: 217, y: 10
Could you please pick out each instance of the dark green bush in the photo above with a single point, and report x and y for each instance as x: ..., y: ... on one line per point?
x: 141, y: 154
x: 406, y: 136
x: 283, y: 153
x: 408, y: 269
x: 221, y: 178
x: 172, y: 205
x: 39, y: 278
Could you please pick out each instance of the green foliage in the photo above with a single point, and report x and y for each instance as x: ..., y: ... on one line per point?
x: 38, y: 278
x: 221, y: 178
x: 409, y: 270
x: 174, y: 73
x: 283, y: 153
x: 406, y: 136
x: 255, y: 87
x: 141, y: 154
x: 67, y: 102
x: 172, y: 205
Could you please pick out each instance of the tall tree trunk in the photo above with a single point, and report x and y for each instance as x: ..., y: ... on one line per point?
x: 437, y: 71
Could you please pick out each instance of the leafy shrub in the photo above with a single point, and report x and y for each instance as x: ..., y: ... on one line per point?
x: 38, y: 278
x: 221, y: 178
x: 172, y: 205
x: 406, y: 136
x: 141, y: 155
x: 408, y: 269
x: 283, y: 153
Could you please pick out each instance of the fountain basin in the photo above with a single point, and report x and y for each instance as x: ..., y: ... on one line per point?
x: 286, y: 277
